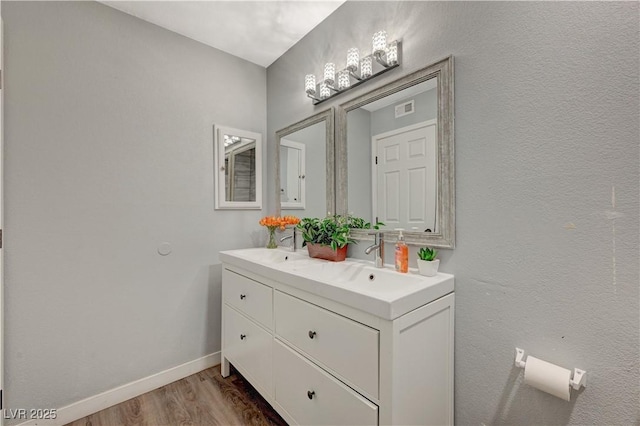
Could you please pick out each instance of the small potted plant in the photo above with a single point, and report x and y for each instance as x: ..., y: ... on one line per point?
x: 427, y: 262
x: 326, y: 238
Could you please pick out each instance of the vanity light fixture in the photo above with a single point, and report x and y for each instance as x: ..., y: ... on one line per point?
x: 357, y: 70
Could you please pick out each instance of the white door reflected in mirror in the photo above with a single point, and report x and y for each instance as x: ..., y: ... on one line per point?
x: 292, y: 174
x: 238, y: 161
x: 404, y: 177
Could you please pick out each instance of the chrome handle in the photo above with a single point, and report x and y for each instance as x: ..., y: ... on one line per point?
x: 311, y: 394
x: 312, y: 334
x: 243, y: 336
x: 242, y: 296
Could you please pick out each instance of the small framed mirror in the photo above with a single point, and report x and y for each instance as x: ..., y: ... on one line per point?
x: 238, y: 165
x: 305, y: 167
x: 395, y: 157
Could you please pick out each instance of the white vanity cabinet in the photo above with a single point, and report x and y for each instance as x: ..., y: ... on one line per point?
x: 317, y: 360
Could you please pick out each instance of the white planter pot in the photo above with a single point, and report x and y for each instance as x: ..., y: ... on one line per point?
x: 428, y: 268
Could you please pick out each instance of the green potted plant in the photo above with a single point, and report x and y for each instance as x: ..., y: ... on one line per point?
x: 326, y: 238
x: 427, y: 262
x: 355, y: 222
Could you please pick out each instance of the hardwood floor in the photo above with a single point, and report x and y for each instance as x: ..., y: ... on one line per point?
x: 205, y: 398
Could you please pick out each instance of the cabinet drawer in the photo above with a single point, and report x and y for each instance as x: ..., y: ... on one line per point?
x: 249, y: 348
x: 248, y: 296
x: 311, y: 396
x: 344, y: 346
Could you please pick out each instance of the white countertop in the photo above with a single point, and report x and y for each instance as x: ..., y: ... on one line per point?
x: 357, y: 283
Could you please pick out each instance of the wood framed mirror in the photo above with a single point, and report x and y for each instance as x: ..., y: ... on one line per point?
x: 395, y: 157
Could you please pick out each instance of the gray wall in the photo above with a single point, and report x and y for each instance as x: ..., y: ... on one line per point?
x: 547, y: 258
x: 108, y: 153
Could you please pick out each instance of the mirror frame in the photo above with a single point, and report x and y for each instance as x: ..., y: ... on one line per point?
x: 443, y: 70
x: 327, y: 116
x: 218, y: 158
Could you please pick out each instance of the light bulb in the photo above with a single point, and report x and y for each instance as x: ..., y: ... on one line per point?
x: 343, y: 80
x: 366, y: 67
x: 392, y: 53
x: 329, y: 73
x: 353, y: 59
x: 379, y: 42
x: 324, y: 91
x: 310, y: 84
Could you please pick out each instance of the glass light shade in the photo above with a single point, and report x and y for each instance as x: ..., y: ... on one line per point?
x: 310, y: 84
x: 392, y: 53
x: 343, y: 80
x: 366, y: 67
x: 353, y: 59
x: 324, y: 91
x: 379, y: 42
x: 329, y: 73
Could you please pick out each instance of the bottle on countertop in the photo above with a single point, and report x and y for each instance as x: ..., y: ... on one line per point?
x: 402, y: 253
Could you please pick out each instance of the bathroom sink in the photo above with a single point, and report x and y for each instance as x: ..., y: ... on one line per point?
x: 365, y: 277
x: 357, y: 283
x: 270, y: 256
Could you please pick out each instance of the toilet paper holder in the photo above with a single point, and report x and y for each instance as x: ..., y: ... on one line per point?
x: 579, y: 376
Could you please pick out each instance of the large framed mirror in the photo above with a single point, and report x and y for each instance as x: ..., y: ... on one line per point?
x: 395, y: 157
x: 305, y: 167
x: 238, y: 166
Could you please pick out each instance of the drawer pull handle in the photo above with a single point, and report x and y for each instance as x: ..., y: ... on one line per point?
x: 242, y: 296
x: 312, y: 334
x: 310, y: 394
x: 243, y: 336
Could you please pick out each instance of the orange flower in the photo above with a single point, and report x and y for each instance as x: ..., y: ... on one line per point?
x: 273, y: 222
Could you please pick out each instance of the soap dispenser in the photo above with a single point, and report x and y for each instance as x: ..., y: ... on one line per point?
x: 402, y: 253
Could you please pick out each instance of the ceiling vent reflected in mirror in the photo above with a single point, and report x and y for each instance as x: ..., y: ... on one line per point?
x: 405, y: 108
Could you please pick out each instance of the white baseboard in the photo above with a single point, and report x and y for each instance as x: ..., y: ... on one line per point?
x: 93, y: 404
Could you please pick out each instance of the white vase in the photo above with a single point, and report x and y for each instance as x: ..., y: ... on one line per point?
x: 428, y: 268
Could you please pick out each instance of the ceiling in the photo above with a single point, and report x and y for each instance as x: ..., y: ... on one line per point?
x: 258, y: 31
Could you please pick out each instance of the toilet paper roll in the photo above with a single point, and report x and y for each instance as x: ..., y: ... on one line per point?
x: 547, y: 377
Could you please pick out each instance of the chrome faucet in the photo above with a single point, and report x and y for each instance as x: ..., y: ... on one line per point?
x: 291, y: 237
x: 378, y: 246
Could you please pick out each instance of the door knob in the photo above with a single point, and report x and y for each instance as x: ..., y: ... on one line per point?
x: 242, y: 296
x: 312, y: 334
x: 310, y: 394
x: 243, y: 336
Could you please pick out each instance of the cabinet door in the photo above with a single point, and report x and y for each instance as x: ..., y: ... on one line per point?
x: 249, y: 348
x: 311, y: 396
x: 344, y: 346
x: 248, y: 296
